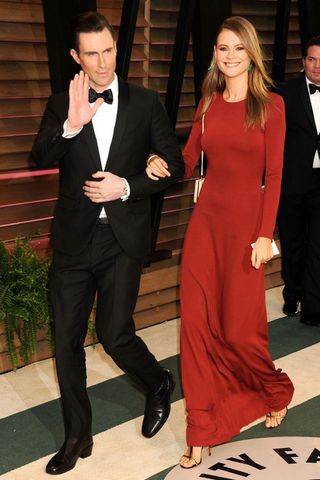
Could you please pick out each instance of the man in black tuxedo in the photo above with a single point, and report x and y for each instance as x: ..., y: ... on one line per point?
x: 101, y: 229
x: 299, y: 210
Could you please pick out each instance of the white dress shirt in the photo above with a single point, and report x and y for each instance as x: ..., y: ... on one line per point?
x: 104, y: 121
x: 315, y: 103
x: 103, y: 124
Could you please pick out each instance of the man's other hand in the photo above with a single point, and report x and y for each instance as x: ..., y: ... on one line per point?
x: 106, y: 188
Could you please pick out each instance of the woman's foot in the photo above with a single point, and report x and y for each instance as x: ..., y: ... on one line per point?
x: 274, y: 419
x: 192, y: 458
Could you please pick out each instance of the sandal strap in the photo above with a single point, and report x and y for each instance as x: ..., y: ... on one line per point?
x: 278, y: 416
x: 185, y: 456
x: 195, y: 461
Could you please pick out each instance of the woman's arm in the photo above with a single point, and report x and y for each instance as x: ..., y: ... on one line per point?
x: 274, y: 146
x: 192, y: 150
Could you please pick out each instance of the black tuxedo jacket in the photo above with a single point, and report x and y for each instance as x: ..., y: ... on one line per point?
x: 302, y: 138
x: 142, y: 126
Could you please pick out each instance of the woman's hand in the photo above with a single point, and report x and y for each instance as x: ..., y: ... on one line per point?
x: 157, y: 167
x: 261, y: 252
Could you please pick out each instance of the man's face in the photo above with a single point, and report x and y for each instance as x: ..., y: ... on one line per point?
x: 311, y: 64
x: 97, y: 58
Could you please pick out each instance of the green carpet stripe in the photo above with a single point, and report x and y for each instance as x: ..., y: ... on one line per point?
x: 302, y: 421
x: 160, y: 475
x: 287, y: 335
x: 37, y: 432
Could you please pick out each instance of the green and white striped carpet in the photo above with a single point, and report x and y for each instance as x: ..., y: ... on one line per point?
x: 31, y: 426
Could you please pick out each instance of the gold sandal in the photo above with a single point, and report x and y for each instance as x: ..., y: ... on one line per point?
x: 185, y: 455
x: 279, y: 418
x: 193, y: 461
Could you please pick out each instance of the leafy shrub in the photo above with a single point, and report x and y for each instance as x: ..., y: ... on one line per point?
x: 23, y: 299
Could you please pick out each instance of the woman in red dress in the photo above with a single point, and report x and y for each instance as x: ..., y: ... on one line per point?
x: 229, y: 379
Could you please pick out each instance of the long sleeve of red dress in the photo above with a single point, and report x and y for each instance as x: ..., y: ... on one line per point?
x: 274, y: 148
x: 192, y: 150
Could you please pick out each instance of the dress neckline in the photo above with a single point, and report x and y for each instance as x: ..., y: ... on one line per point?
x: 232, y: 103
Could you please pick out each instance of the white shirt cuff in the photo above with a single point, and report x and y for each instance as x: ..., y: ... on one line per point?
x: 127, y: 191
x: 67, y: 134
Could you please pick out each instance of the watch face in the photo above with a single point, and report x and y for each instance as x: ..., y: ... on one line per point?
x: 125, y: 190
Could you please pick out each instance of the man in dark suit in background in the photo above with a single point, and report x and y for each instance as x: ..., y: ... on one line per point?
x: 101, y: 229
x: 299, y: 210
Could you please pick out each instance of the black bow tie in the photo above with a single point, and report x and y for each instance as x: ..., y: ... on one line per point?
x: 106, y: 95
x: 313, y: 88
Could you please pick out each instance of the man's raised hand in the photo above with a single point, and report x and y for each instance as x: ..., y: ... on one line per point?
x: 80, y: 112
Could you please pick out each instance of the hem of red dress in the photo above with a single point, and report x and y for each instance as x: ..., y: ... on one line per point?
x: 197, y: 437
x: 284, y: 404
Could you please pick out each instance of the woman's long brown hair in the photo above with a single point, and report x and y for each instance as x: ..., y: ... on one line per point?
x: 258, y: 78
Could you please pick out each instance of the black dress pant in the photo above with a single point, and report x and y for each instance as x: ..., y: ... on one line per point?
x: 299, y: 228
x: 103, y: 268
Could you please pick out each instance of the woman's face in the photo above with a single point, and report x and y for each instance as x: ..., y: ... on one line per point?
x: 231, y: 57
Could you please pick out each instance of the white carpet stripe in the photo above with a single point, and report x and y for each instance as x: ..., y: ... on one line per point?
x: 123, y: 453
x: 274, y: 302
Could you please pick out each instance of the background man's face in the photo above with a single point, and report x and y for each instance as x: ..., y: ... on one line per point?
x: 97, y: 58
x: 311, y: 64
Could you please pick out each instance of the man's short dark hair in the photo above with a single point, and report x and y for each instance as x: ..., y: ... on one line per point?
x: 314, y: 41
x: 88, y: 22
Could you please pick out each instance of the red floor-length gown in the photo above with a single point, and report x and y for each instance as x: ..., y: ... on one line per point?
x: 228, y: 376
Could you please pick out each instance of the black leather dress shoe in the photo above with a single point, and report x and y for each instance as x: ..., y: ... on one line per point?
x: 290, y: 307
x: 158, y: 407
x: 67, y: 457
x: 312, y: 320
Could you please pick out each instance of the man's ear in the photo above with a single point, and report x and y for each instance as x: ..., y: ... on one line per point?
x: 74, y: 55
x: 115, y: 47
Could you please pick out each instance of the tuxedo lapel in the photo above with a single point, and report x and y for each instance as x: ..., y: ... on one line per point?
x: 121, y: 120
x: 306, y: 102
x: 91, y: 141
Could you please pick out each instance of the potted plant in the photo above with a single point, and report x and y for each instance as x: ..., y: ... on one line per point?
x: 23, y: 299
